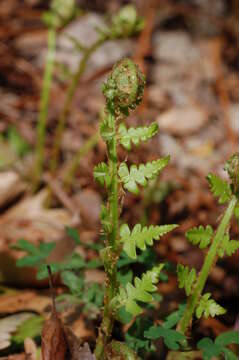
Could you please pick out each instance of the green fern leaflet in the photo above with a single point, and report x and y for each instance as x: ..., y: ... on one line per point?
x: 141, y: 291
x: 140, y: 175
x: 219, y: 188
x: 136, y: 135
x: 141, y: 237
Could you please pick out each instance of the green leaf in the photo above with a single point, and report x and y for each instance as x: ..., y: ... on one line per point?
x: 174, y: 317
x: 101, y: 174
x: 74, y: 282
x: 228, y: 247
x: 30, y: 328
x: 141, y: 237
x: 208, y: 307
x: 140, y: 175
x: 171, y: 338
x: 214, y: 349
x: 140, y: 291
x: 219, y: 188
x: 186, y: 278
x: 228, y: 337
x: 135, y: 336
x: 37, y: 254
x: 42, y: 272
x: 200, y: 235
x: 208, y: 348
x: 136, y: 135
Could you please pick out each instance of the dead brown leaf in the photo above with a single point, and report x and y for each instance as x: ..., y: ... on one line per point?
x: 53, y: 340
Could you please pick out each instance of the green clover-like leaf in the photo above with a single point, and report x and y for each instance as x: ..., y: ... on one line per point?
x: 171, y: 338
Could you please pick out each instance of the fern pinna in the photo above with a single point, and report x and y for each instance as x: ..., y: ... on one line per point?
x: 123, y: 91
x: 218, y: 244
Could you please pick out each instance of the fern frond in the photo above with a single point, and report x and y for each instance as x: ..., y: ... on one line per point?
x: 228, y: 247
x: 141, y: 237
x: 208, y: 307
x: 141, y: 291
x: 101, y: 174
x: 200, y: 235
x: 140, y: 176
x: 136, y: 135
x: 219, y: 188
x: 186, y: 278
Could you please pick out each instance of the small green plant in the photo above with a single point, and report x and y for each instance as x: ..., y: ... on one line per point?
x: 123, y: 91
x: 71, y: 270
x: 61, y: 11
x: 218, y: 244
x: 124, y: 24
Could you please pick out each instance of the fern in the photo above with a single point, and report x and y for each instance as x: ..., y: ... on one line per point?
x: 200, y: 236
x: 186, y: 278
x: 219, y: 188
x: 228, y: 247
x: 141, y: 291
x: 136, y: 135
x: 140, y: 176
x: 141, y: 237
x: 101, y: 174
x: 208, y: 307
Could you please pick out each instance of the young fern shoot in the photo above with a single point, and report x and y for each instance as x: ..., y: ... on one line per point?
x: 123, y: 91
x: 219, y: 245
x: 124, y: 24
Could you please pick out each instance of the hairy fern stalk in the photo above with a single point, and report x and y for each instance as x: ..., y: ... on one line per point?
x: 123, y: 91
x: 218, y: 244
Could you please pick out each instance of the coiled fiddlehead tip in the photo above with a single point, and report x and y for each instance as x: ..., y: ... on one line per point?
x: 232, y: 168
x: 125, y: 85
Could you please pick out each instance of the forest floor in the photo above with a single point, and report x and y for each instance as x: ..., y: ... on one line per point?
x: 190, y: 57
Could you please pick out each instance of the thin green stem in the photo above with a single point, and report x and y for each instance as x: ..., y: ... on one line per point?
x: 69, y: 98
x: 44, y: 104
x: 112, y: 244
x: 209, y: 261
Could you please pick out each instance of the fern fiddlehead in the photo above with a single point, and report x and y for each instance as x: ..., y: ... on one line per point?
x: 123, y: 91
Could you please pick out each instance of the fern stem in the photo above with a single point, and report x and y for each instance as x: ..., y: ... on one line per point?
x: 111, y: 290
x: 44, y: 104
x: 206, y: 268
x: 68, y: 102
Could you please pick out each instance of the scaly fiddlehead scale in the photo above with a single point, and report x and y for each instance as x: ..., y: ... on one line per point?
x: 125, y: 85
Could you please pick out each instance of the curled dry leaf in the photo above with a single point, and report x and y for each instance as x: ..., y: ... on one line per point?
x: 53, y: 340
